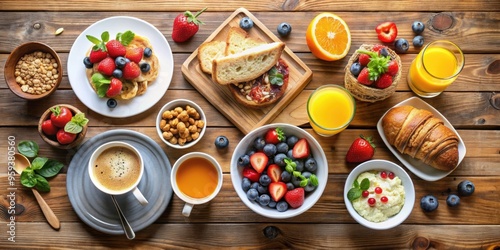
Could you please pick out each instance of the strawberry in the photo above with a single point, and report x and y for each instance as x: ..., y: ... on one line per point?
x: 185, y: 26
x: 134, y: 54
x: 131, y: 70
x: 251, y: 174
x: 106, y: 66
x: 387, y: 32
x: 277, y: 190
x: 274, y: 172
x: 115, y: 48
x: 384, y: 81
x: 115, y: 86
x: 364, y: 59
x: 259, y: 161
x: 362, y: 149
x: 274, y: 135
x: 392, y: 68
x: 295, y: 198
x: 377, y: 47
x: 98, y: 51
x: 364, y: 77
x: 300, y: 149
x: 97, y: 55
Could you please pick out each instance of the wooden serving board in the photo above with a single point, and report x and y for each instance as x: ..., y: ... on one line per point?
x: 246, y: 119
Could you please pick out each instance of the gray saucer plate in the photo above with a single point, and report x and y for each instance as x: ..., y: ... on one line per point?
x: 96, y: 209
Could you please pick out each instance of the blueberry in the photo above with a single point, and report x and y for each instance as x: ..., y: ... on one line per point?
x: 290, y: 186
x: 299, y: 165
x: 309, y: 187
x: 250, y: 153
x: 252, y: 194
x: 245, y: 184
x: 259, y: 143
x: 117, y: 73
x: 453, y: 200
x: 417, y: 27
x: 127, y: 60
x: 284, y: 29
x: 401, y: 45
x: 272, y: 204
x: 254, y: 185
x: 291, y: 141
x: 355, y: 69
x: 418, y: 41
x: 261, y: 189
x: 264, y: 199
x: 145, y: 67
x: 112, y: 103
x: 269, y: 149
x: 246, y: 23
x: 148, y: 52
x: 282, y: 206
x: 244, y: 160
x: 311, y: 165
x: 279, y: 159
x: 429, y: 203
x: 120, y: 62
x: 465, y: 188
x: 286, y: 176
x: 221, y: 142
x: 296, y: 181
x: 264, y: 180
x: 87, y: 63
x: 384, y: 52
x: 289, y: 154
x: 282, y: 147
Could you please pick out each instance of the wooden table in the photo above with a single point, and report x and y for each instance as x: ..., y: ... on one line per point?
x: 471, y: 104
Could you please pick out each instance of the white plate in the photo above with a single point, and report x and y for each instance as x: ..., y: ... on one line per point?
x: 419, y: 168
x: 156, y: 90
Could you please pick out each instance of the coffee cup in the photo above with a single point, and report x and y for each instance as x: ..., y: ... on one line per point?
x: 116, y: 168
x: 196, y: 178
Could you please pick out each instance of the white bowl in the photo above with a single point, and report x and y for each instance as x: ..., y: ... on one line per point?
x: 382, y: 165
x: 180, y: 103
x: 311, y: 198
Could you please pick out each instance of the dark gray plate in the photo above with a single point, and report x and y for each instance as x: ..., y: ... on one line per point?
x: 96, y: 209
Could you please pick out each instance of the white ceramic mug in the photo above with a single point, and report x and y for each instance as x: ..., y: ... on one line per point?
x: 116, y: 167
x: 191, y: 201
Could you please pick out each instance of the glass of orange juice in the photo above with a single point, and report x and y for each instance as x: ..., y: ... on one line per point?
x: 435, y: 68
x: 330, y: 109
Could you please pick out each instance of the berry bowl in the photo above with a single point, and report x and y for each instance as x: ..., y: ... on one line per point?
x: 52, y: 137
x: 181, y: 123
x: 274, y: 192
x: 389, y: 196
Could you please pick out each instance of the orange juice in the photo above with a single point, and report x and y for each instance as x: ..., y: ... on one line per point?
x: 435, y: 68
x: 197, y: 177
x: 330, y: 109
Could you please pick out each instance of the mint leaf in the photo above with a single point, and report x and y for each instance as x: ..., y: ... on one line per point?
x: 38, y: 163
x: 304, y: 182
x: 101, y: 83
x: 354, y: 193
x: 28, y: 148
x: 275, y: 77
x: 356, y: 183
x: 290, y: 165
x: 41, y: 183
x: 50, y: 168
x: 93, y: 39
x: 313, y: 179
x: 76, y: 124
x: 365, y: 184
x: 105, y: 36
x: 28, y: 178
x: 126, y: 37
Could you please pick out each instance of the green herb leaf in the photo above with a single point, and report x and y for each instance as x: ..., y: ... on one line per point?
x: 354, y: 193
x: 377, y: 65
x: 41, y: 183
x: 76, y: 124
x: 105, y: 36
x: 365, y: 184
x: 28, y: 178
x: 290, y: 165
x: 101, y: 83
x: 304, y: 182
x: 126, y: 37
x: 313, y: 179
x: 28, y: 148
x: 356, y: 183
x: 50, y: 168
x: 38, y: 163
x: 275, y: 77
x: 297, y: 174
x: 93, y: 39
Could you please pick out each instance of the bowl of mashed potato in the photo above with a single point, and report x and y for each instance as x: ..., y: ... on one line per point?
x: 379, y: 194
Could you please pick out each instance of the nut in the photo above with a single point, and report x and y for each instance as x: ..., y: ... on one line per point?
x: 36, y: 73
x: 181, y: 125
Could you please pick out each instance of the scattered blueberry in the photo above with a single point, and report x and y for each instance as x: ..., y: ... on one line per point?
x: 117, y: 73
x: 87, y: 63
x: 252, y: 194
x: 291, y: 140
x: 264, y: 180
x: 120, y: 62
x: 221, y: 142
x: 465, y: 188
x: 269, y: 149
x: 286, y: 176
x: 272, y: 204
x: 284, y: 29
x: 429, y: 203
x: 262, y: 189
x: 112, y: 103
x: 453, y: 200
x: 246, y: 23
x: 282, y: 206
x: 384, y: 52
x: 279, y: 159
x: 417, y: 27
x: 311, y: 165
x: 401, y: 45
x: 148, y: 52
x: 245, y: 184
x: 418, y: 41
x: 145, y: 67
x: 264, y: 200
x: 355, y: 69
x: 282, y: 147
x: 244, y: 160
x: 290, y: 186
x: 259, y: 143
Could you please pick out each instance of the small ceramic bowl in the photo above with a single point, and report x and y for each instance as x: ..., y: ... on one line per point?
x: 387, y: 166
x: 165, y: 122
x: 51, y: 140
x: 12, y: 61
x: 310, y: 198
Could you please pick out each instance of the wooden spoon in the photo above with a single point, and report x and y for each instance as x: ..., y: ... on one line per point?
x: 20, y: 164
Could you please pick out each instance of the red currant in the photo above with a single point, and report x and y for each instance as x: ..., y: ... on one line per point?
x: 383, y: 174
x: 384, y: 199
x: 371, y: 202
x: 365, y: 193
x: 378, y: 190
x: 391, y: 175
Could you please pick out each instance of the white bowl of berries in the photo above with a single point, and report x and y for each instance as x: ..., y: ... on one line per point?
x: 279, y: 170
x: 379, y: 194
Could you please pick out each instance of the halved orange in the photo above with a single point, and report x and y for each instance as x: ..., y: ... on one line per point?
x: 328, y: 37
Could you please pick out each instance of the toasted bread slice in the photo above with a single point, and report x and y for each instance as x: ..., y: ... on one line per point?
x: 247, y: 65
x: 238, y: 40
x: 207, y: 52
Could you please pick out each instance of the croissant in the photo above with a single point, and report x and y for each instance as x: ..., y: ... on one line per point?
x: 417, y: 133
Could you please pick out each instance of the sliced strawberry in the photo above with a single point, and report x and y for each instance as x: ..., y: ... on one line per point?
x: 274, y: 172
x: 364, y: 59
x: 115, y: 48
x: 277, y: 190
x: 274, y: 135
x: 259, y: 161
x: 106, y: 66
x: 300, y: 149
x: 384, y: 81
x: 251, y: 174
x: 115, y: 87
x: 131, y: 70
x: 295, y: 198
x: 387, y: 32
x: 364, y: 77
x: 392, y: 68
x: 96, y: 56
x: 134, y: 54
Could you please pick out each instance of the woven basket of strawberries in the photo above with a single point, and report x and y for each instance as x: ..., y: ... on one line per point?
x: 372, y: 73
